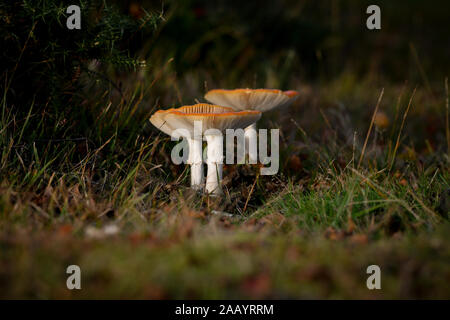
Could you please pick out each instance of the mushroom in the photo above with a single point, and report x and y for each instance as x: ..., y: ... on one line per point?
x: 194, y: 122
x: 251, y: 99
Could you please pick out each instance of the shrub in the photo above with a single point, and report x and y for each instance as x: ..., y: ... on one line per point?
x: 41, y: 59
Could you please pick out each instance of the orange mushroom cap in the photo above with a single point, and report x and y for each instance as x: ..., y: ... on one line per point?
x: 211, y: 117
x: 251, y: 99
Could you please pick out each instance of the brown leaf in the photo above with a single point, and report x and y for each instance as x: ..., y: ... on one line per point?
x: 359, y: 239
x: 381, y: 120
x: 65, y: 229
x: 257, y: 286
x: 350, y: 226
x: 295, y: 164
x: 333, y: 234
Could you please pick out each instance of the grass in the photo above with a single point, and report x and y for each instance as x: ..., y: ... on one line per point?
x: 352, y: 191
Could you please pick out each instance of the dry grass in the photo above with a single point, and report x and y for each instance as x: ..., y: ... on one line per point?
x: 114, y: 204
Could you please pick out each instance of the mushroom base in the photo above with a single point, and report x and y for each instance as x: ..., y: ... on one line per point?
x: 215, y: 164
x: 197, y: 178
x: 196, y: 162
x: 251, y: 143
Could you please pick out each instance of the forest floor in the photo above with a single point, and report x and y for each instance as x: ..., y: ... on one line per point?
x: 355, y: 188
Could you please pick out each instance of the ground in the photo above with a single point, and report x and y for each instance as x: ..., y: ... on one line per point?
x: 363, y: 180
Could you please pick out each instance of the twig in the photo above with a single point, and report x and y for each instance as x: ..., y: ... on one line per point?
x: 447, y: 128
x: 250, y: 193
x: 160, y: 73
x: 397, y: 143
x: 370, y: 128
x: 433, y: 214
x: 397, y: 108
x: 61, y: 140
x: 105, y: 77
x: 421, y: 70
x: 20, y: 56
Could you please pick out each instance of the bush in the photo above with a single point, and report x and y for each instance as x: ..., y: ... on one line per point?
x: 41, y: 59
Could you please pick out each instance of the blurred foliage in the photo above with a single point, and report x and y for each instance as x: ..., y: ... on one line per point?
x: 41, y: 60
x: 221, y: 43
x: 240, y: 43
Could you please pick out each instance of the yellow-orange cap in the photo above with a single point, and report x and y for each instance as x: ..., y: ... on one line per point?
x: 211, y: 117
x: 251, y: 99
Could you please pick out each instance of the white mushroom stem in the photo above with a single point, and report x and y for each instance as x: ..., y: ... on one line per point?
x: 215, y: 164
x: 196, y: 162
x: 251, y: 143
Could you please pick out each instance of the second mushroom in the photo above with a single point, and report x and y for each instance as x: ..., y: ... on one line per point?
x: 251, y: 99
